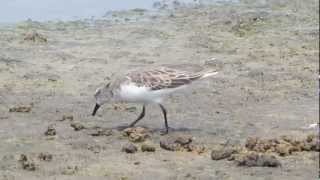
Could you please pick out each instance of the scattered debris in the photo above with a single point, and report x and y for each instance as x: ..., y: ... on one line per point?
x: 26, y: 163
x: 131, y: 109
x: 181, y: 143
x: 129, y: 148
x: 147, y: 148
x: 35, y: 37
x: 136, y: 134
x: 257, y: 151
x: 251, y: 159
x: 124, y: 107
x: 284, y: 145
x: 119, y: 107
x: 23, y: 109
x: 176, y: 143
x: 77, y: 126
x: 70, y: 170
x: 196, y: 148
x: 96, y: 148
x: 223, y: 153
x: 51, y: 131
x: 99, y: 131
x: 68, y: 117
x: 45, y: 157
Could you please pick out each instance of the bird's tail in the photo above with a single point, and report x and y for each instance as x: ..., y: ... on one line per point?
x: 209, y: 73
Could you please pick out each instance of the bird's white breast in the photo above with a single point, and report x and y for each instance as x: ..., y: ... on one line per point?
x: 133, y: 93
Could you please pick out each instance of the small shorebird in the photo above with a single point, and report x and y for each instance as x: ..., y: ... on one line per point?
x: 146, y: 86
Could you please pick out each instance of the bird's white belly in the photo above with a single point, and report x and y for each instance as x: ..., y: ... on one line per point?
x: 132, y: 93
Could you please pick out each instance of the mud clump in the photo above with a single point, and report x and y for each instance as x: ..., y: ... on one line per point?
x: 129, y: 148
x: 148, y: 148
x: 35, y: 37
x: 77, y: 126
x: 51, y: 131
x: 99, y: 131
x: 26, y: 163
x: 137, y: 134
x: 45, y: 157
x: 284, y: 145
x: 21, y: 109
x: 96, y: 148
x: 181, y: 143
x: 223, y: 153
x: 70, y: 170
x: 257, y: 151
x: 68, y: 117
x: 251, y: 159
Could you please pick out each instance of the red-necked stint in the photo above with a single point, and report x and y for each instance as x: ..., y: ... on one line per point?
x: 146, y: 86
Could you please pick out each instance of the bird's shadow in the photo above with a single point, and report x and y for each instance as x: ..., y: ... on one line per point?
x: 154, y: 130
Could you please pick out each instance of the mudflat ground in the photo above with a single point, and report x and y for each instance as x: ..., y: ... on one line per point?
x: 267, y: 54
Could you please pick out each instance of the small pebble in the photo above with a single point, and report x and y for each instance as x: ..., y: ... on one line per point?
x: 51, y: 131
x: 26, y: 163
x: 77, y: 126
x: 22, y: 109
x: 129, y: 148
x: 222, y: 153
x: 45, y: 157
x: 147, y: 148
x: 98, y: 131
x: 136, y: 134
x: 255, y: 159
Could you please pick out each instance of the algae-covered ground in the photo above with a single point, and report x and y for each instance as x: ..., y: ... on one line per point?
x: 267, y: 55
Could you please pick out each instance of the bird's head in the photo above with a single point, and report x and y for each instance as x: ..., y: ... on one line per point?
x: 102, y: 95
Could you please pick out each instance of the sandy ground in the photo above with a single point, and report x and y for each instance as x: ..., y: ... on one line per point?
x: 267, y: 56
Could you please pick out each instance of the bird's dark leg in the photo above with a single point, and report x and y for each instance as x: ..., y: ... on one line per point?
x: 164, y: 112
x: 140, y: 117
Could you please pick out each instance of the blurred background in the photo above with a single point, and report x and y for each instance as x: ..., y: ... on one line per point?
x: 44, y: 10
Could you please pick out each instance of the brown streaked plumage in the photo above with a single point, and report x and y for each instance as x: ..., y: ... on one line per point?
x: 146, y: 86
x: 162, y: 78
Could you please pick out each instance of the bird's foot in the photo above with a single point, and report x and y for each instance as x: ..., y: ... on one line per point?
x: 164, y: 132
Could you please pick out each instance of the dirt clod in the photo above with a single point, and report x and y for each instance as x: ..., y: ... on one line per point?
x: 283, y: 150
x: 70, y: 170
x: 147, y: 148
x: 222, y: 153
x: 181, y: 143
x: 96, y: 148
x: 175, y: 143
x: 35, y: 37
x: 68, y: 117
x: 45, y: 157
x: 26, y: 163
x: 99, y: 131
x: 136, y: 134
x: 129, y: 148
x: 22, y: 109
x: 284, y: 146
x: 77, y: 126
x: 51, y: 131
x: 251, y: 159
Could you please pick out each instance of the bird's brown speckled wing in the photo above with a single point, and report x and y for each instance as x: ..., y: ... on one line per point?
x: 162, y: 78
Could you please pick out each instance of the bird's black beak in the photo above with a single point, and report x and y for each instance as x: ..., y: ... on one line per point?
x: 96, y: 107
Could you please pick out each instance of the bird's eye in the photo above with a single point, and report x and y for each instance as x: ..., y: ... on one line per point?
x: 97, y: 92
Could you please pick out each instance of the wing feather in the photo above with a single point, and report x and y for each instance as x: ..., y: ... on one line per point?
x: 162, y: 78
